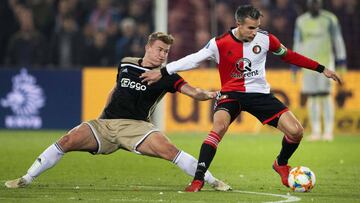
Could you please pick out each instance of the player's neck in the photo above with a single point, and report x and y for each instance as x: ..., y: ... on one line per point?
x: 147, y: 63
x: 238, y: 36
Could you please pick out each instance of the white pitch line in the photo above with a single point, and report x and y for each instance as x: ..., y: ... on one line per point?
x: 288, y: 198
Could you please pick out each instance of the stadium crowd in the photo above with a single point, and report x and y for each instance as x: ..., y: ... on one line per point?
x: 75, y: 33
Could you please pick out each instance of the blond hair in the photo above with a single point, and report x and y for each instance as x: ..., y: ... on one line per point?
x: 167, y: 39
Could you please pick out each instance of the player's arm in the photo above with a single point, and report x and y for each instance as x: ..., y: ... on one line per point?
x: 197, y: 93
x: 338, y: 45
x: 187, y: 63
x: 291, y: 57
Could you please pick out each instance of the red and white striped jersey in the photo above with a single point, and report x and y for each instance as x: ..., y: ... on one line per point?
x: 241, y: 65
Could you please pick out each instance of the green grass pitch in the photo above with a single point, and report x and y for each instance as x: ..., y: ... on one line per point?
x: 242, y: 161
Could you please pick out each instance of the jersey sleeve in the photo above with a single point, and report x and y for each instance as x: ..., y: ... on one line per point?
x: 338, y: 42
x: 193, y: 60
x: 174, y: 83
x: 291, y: 57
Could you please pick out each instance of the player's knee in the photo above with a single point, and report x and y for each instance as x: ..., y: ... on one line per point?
x: 220, y: 127
x: 297, y: 133
x: 66, y: 143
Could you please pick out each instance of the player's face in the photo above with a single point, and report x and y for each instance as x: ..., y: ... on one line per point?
x: 247, y: 30
x: 314, y: 7
x: 157, y: 52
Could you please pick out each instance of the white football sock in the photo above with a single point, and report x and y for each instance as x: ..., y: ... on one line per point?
x: 314, y: 115
x: 188, y: 164
x: 328, y: 111
x: 46, y: 160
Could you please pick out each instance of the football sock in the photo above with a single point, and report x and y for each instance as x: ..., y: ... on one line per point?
x: 328, y: 111
x: 314, y: 114
x: 46, y: 160
x: 288, y: 148
x: 187, y: 163
x: 207, y: 153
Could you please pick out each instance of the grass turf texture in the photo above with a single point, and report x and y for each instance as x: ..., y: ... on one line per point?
x: 242, y: 161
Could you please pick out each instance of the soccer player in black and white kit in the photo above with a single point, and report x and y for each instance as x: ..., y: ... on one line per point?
x: 240, y: 55
x: 125, y: 121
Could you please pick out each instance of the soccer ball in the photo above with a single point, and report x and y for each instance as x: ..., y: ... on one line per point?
x: 301, y: 179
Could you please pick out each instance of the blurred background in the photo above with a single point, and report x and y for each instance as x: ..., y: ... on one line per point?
x: 74, y: 33
x: 74, y: 46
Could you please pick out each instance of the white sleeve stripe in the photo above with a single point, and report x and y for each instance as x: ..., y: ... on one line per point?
x: 134, y: 66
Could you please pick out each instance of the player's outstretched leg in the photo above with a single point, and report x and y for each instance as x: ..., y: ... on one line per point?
x: 46, y: 160
x: 79, y: 138
x: 158, y: 145
x: 187, y: 163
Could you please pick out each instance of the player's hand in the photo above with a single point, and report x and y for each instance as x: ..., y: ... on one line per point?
x: 151, y: 76
x: 203, y: 95
x: 331, y: 74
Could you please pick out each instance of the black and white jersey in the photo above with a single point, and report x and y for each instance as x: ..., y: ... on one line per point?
x: 133, y: 99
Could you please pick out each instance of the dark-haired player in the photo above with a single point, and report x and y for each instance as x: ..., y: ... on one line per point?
x: 240, y: 55
x: 125, y: 122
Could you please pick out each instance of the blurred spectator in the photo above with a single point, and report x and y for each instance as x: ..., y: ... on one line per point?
x: 285, y: 12
x: 140, y: 11
x: 66, y: 44
x: 183, y: 27
x: 280, y: 28
x: 104, y: 18
x: 43, y: 12
x: 123, y: 44
x: 188, y: 21
x: 27, y: 46
x: 100, y: 52
x: 63, y: 9
x: 350, y: 24
x: 266, y: 19
x: 140, y: 39
x: 224, y: 17
x: 8, y: 26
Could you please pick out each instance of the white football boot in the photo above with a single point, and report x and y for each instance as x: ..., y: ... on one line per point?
x: 220, y: 186
x: 17, y: 183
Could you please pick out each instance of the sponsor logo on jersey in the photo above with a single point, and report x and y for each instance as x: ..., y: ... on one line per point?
x: 126, y: 82
x: 24, y: 100
x: 256, y: 49
x: 243, y: 69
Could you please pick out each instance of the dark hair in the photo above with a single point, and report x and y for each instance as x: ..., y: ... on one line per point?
x: 167, y: 39
x: 247, y: 11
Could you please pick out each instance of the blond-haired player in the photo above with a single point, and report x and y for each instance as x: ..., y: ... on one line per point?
x: 125, y: 121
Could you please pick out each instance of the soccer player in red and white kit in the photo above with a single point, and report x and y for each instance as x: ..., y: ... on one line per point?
x: 240, y: 55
